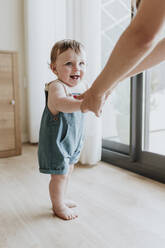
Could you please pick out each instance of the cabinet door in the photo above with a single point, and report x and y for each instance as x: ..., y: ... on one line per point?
x: 9, y: 117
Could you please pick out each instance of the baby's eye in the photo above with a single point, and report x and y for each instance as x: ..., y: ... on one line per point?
x: 82, y: 63
x: 68, y: 63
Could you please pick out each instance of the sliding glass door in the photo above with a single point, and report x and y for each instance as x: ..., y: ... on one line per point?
x: 154, y: 112
x: 133, y: 117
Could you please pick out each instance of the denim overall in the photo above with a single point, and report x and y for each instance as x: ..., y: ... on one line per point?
x: 60, y: 140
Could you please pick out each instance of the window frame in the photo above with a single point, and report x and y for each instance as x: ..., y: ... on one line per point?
x: 142, y: 162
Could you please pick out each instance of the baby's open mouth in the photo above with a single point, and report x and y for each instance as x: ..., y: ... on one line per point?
x: 75, y: 77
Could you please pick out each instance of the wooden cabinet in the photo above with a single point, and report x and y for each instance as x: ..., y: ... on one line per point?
x: 10, y: 139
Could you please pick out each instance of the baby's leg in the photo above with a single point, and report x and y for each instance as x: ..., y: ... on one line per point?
x: 69, y: 203
x: 57, y: 190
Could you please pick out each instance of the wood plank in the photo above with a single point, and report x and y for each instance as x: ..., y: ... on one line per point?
x: 17, y: 104
x: 6, y: 63
x: 5, y: 76
x: 10, y: 138
x: 8, y: 153
x: 6, y: 106
x: 7, y: 121
x: 7, y: 141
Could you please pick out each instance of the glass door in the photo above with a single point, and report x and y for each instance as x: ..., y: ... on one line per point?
x: 153, y: 136
x: 133, y: 117
x: 116, y: 16
x: 154, y: 111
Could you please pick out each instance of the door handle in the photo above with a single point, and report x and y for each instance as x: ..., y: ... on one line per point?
x: 12, y: 102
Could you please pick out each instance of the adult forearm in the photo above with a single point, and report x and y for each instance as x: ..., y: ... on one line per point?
x: 155, y: 57
x: 129, y: 51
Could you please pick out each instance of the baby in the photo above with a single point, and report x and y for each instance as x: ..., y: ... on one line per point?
x: 61, y: 129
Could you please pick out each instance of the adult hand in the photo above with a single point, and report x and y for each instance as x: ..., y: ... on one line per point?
x: 92, y: 102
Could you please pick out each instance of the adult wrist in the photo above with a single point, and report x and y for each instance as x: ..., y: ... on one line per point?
x: 96, y: 92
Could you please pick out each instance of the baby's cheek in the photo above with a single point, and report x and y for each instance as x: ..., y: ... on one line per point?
x: 81, y: 76
x: 65, y: 75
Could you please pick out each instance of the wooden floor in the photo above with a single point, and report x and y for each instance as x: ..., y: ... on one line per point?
x: 118, y: 209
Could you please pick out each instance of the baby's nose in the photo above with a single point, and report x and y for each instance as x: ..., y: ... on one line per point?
x: 76, y: 67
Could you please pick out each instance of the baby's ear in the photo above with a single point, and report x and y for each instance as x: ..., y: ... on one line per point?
x: 53, y: 68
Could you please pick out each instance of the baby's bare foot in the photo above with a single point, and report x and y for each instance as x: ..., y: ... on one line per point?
x: 70, y: 204
x: 64, y: 212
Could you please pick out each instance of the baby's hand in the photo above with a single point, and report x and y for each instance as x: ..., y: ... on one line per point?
x: 79, y: 96
x: 76, y: 96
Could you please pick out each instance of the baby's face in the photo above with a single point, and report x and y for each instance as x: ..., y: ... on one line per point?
x: 70, y: 67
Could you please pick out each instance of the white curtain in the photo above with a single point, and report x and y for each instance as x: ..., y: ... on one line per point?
x: 84, y: 19
x: 91, y: 152
x: 45, y: 24
x: 91, y: 37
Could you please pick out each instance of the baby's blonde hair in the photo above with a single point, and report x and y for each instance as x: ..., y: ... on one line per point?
x: 63, y: 45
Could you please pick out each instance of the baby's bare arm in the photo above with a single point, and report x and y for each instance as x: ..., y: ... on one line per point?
x: 58, y: 101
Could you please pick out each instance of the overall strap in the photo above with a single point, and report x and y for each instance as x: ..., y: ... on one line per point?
x: 46, y: 90
x: 46, y: 93
x: 46, y: 97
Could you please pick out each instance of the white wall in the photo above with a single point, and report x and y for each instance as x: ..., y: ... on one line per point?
x: 12, y: 39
